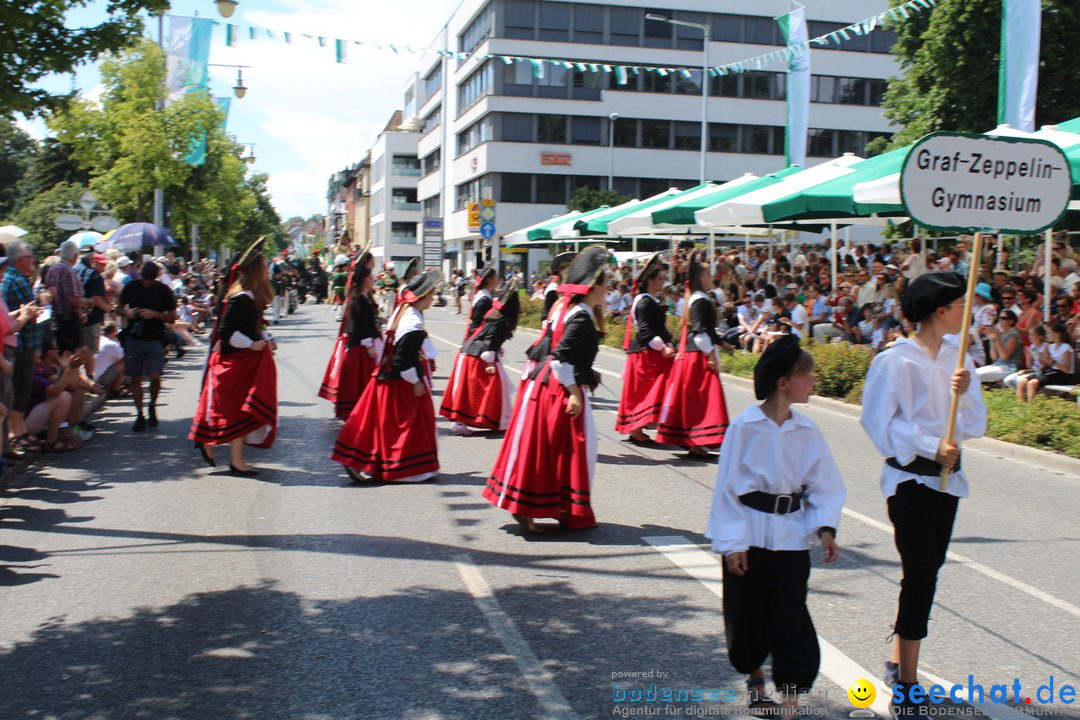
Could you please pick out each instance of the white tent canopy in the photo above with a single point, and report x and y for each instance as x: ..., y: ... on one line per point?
x: 746, y: 209
x: 640, y: 223
x: 520, y: 236
x: 886, y: 190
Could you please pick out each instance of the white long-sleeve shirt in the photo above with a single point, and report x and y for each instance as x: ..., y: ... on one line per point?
x: 760, y: 455
x: 905, y: 409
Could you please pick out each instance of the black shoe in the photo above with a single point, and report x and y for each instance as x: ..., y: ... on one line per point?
x: 140, y: 424
x: 242, y: 473
x: 205, y: 454
x: 180, y: 353
x: 358, y: 476
x: 87, y: 426
x: 152, y: 422
x: 647, y: 442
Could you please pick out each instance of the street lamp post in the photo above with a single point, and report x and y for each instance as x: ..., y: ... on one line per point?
x: 238, y: 90
x: 611, y: 151
x: 706, y: 33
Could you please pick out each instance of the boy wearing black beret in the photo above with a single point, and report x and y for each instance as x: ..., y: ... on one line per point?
x: 905, y: 411
x: 778, y: 490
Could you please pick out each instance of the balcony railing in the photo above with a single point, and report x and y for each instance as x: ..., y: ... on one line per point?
x: 397, y: 205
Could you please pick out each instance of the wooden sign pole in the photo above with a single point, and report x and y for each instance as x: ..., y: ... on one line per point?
x: 965, y: 338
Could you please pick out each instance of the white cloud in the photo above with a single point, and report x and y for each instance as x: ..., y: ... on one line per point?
x: 310, y: 115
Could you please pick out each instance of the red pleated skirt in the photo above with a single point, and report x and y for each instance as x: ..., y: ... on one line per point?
x: 347, y: 374
x: 474, y: 397
x: 645, y: 381
x: 390, y: 434
x: 547, y: 459
x: 238, y: 399
x: 694, y: 412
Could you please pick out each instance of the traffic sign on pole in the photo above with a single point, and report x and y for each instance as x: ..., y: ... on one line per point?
x: 487, y: 230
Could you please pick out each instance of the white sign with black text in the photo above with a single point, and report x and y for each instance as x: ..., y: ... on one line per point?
x: 969, y: 183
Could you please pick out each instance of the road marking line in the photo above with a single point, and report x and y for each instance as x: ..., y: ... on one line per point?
x: 980, y: 568
x: 707, y: 570
x: 957, y: 557
x: 540, y: 681
x: 994, y: 711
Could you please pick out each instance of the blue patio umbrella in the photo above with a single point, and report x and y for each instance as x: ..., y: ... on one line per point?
x: 135, y: 236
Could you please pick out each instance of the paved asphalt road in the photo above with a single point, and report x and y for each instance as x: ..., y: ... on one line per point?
x: 139, y: 583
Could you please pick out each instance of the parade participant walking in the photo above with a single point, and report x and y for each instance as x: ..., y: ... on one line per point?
x: 547, y: 460
x: 238, y: 402
x: 694, y: 413
x: 388, y: 283
x: 478, y: 392
x: 648, y: 366
x: 338, y: 279
x: 358, y: 349
x: 906, y: 413
x: 778, y: 489
x: 541, y: 348
x: 410, y: 272
x: 390, y: 434
x: 482, y: 300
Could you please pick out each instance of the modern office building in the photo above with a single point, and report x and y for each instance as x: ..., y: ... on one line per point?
x: 392, y: 205
x: 492, y: 130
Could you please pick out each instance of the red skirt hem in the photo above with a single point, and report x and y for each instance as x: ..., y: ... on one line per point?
x: 546, y: 462
x: 390, y: 434
x: 645, y: 380
x: 694, y: 413
x: 472, y: 396
x: 238, y: 398
x: 347, y: 374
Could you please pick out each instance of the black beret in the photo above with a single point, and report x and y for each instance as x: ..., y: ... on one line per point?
x: 930, y: 291
x: 776, y: 362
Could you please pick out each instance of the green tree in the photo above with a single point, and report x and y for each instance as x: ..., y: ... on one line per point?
x: 37, y: 216
x: 37, y: 41
x: 264, y: 220
x: 588, y: 198
x: 17, y: 150
x: 950, y: 61
x: 130, y: 148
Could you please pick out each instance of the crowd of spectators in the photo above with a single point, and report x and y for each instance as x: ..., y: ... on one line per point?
x: 75, y: 324
x: 761, y: 296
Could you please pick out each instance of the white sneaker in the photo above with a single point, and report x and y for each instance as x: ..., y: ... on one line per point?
x: 462, y: 429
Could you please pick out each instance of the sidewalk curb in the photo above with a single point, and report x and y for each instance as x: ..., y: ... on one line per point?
x: 998, y: 448
x: 92, y: 406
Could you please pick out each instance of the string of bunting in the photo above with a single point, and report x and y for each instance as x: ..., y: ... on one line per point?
x: 622, y: 73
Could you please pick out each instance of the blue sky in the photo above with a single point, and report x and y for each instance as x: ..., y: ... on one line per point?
x: 307, y: 114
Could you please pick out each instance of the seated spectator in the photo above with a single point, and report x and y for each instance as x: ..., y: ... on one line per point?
x: 56, y: 398
x: 1006, y: 349
x: 1057, y: 364
x: 1033, y: 351
x: 841, y: 325
x: 109, y: 361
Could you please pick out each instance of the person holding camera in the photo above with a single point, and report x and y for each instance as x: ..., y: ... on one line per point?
x: 148, y: 305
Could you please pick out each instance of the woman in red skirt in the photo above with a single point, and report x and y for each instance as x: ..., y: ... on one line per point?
x: 694, y: 413
x: 478, y: 394
x: 648, y: 366
x: 390, y: 434
x: 482, y: 299
x: 358, y: 349
x: 238, y: 402
x: 547, y: 459
x: 542, y: 347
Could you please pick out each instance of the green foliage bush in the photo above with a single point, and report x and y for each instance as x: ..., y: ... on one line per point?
x: 838, y: 367
x: 1045, y: 422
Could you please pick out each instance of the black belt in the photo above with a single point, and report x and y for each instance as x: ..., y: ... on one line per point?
x: 921, y: 466
x: 770, y: 503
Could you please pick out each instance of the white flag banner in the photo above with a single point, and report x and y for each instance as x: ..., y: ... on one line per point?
x: 1018, y: 76
x: 793, y: 25
x: 187, y: 54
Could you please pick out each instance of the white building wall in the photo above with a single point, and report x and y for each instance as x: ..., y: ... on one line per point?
x: 384, y: 180
x: 496, y: 156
